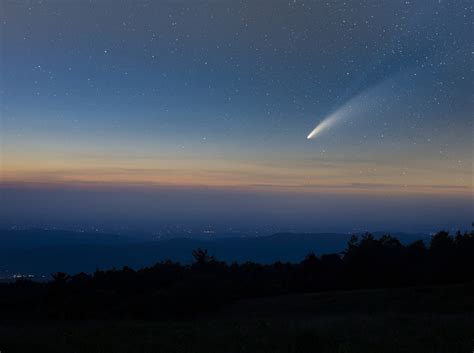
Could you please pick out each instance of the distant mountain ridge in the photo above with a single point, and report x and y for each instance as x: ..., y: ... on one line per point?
x: 41, y: 252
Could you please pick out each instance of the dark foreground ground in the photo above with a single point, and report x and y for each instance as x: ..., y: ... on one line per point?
x: 426, y: 319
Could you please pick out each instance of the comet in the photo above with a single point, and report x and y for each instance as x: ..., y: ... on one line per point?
x: 357, y: 105
x: 324, y: 124
x: 340, y: 114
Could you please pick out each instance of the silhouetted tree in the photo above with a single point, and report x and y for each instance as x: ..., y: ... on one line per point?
x: 441, y: 242
x: 60, y: 278
x: 202, y: 257
x: 310, y: 262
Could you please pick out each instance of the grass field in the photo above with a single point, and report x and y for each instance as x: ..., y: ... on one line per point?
x: 437, y: 320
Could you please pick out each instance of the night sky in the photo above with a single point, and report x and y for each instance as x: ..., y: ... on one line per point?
x: 198, y: 112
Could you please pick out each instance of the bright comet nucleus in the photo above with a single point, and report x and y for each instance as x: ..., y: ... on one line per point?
x: 329, y: 121
x: 326, y: 123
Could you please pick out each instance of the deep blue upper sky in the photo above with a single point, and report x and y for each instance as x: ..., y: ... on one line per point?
x: 222, y: 94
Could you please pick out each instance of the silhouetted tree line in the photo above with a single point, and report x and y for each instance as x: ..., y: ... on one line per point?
x: 171, y: 289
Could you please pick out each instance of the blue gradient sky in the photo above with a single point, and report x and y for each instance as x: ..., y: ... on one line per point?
x: 216, y: 98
